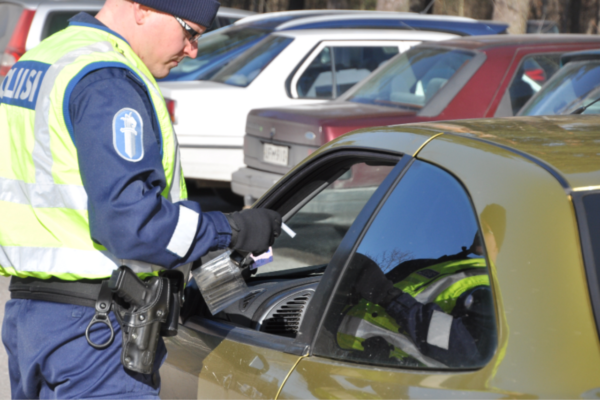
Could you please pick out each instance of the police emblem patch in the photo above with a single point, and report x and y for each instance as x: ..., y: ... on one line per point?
x: 128, y: 134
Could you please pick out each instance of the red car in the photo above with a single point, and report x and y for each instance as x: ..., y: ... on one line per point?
x: 471, y: 77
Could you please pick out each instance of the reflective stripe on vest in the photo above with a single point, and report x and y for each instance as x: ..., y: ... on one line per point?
x: 43, y: 204
x: 451, y: 279
x: 360, y: 328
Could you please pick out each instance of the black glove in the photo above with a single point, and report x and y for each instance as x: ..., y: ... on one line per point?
x: 372, y: 284
x: 254, y: 230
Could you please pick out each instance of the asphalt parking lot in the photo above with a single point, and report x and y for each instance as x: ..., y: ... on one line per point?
x: 209, y: 202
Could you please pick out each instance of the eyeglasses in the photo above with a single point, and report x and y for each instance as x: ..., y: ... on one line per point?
x: 194, y: 36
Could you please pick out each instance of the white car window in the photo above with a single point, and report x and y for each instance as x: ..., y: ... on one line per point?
x: 352, y: 64
x: 244, y: 69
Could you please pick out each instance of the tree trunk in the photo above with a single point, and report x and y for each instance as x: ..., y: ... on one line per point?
x: 477, y: 9
x: 296, y: 5
x: 513, y: 12
x: 393, y: 5
x: 575, y: 12
x: 338, y: 4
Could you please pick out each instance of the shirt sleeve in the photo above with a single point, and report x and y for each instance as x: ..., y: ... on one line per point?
x: 127, y: 213
x: 436, y: 334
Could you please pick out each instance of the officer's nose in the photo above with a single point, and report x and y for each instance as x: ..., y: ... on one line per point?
x: 191, y: 49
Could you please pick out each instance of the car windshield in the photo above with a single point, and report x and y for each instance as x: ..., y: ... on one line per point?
x: 411, y: 79
x: 244, y: 69
x: 215, y: 50
x: 573, y: 86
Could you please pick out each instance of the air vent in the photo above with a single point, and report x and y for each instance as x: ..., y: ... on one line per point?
x: 285, y: 318
x: 246, y: 301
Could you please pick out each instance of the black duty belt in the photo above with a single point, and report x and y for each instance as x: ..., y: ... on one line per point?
x: 81, y: 293
x: 145, y: 309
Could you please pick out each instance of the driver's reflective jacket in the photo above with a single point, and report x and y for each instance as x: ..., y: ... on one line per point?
x: 441, y: 284
x: 44, y: 228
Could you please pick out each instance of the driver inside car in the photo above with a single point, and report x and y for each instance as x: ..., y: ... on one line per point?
x: 424, y: 312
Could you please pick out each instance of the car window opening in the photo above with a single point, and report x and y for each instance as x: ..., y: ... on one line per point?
x: 416, y: 293
x: 328, y: 205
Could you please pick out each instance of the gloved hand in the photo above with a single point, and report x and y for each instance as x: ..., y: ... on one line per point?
x: 372, y: 284
x: 254, y: 230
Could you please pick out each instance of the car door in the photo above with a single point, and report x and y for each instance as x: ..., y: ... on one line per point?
x: 248, y: 350
x: 426, y: 220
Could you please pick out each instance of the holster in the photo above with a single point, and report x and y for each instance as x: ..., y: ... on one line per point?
x: 141, y: 326
x: 145, y: 310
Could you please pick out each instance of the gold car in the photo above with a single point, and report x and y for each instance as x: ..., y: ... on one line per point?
x: 438, y: 260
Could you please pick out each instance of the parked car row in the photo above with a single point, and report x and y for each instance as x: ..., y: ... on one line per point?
x: 283, y: 59
x: 484, y: 76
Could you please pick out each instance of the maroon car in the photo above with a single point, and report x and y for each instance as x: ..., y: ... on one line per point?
x: 471, y: 77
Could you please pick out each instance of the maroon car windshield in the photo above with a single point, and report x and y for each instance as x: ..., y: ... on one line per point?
x: 411, y: 79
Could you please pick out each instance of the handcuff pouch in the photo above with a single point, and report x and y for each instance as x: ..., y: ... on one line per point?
x: 176, y: 284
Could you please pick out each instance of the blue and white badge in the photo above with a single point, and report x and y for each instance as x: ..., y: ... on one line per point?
x: 128, y: 134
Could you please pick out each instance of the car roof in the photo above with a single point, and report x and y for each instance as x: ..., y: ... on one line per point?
x: 398, y: 20
x: 235, y: 12
x: 567, y: 146
x: 493, y: 41
x: 362, y: 19
x: 33, y: 4
x: 274, y: 19
x: 365, y: 34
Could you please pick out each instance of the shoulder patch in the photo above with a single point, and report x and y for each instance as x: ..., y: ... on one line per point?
x: 128, y: 134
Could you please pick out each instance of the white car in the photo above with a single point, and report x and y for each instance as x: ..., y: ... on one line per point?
x: 25, y: 23
x: 286, y: 68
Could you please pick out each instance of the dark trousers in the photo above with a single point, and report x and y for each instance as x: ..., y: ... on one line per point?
x: 49, y: 357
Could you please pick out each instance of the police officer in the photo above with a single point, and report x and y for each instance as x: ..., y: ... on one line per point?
x: 436, y: 313
x: 90, y: 179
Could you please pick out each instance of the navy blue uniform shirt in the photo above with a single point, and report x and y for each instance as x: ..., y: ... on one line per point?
x: 127, y: 213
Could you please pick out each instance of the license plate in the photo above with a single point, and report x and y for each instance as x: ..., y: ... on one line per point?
x: 275, y: 154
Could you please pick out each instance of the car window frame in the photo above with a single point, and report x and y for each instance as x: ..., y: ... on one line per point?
x: 555, y: 77
x: 286, y: 40
x: 505, y: 104
x: 294, y: 77
x: 341, y: 268
x: 285, y: 194
x: 448, y: 92
x: 589, y: 262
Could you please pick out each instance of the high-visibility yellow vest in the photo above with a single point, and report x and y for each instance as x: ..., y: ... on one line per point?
x: 441, y: 284
x: 44, y: 224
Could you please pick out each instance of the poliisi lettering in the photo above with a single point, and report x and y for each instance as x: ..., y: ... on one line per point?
x: 22, y: 83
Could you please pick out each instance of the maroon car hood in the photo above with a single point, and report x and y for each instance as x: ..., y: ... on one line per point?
x: 326, y: 121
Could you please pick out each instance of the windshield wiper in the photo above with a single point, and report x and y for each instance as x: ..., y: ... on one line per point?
x: 583, y: 108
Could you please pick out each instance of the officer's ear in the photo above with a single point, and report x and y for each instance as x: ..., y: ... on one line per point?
x: 141, y: 13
